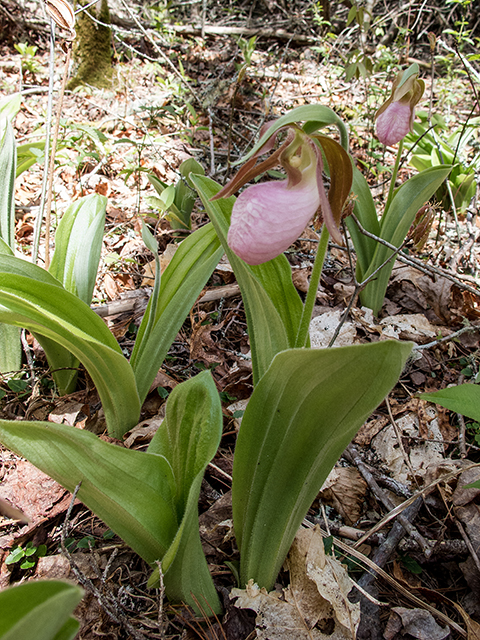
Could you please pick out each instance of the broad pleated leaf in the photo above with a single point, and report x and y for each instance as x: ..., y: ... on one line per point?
x: 78, y: 244
x: 364, y: 209
x: 10, y: 345
x: 8, y: 160
x: 10, y: 106
x: 394, y: 227
x: 39, y: 610
x: 301, y: 416
x: 272, y: 304
x: 182, y: 282
x: 31, y: 298
x: 131, y: 491
x: 189, y: 438
x: 315, y: 116
x: 463, y: 399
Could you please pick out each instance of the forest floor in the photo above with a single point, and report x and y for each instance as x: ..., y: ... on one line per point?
x: 150, y: 122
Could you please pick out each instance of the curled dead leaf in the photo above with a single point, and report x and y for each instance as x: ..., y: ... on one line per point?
x: 62, y: 14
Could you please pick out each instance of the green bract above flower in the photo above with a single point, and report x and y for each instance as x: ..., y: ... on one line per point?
x: 395, y: 116
x: 268, y: 217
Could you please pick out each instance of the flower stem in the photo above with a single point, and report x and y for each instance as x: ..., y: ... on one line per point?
x: 302, y: 334
x: 394, y: 176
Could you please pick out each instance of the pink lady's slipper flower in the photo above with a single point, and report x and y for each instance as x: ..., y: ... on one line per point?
x: 395, y: 116
x: 268, y: 217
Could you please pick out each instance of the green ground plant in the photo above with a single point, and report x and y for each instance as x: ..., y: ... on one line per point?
x: 306, y: 406
x: 39, y: 610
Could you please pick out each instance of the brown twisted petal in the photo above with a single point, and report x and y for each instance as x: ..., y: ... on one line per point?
x: 251, y: 169
x: 62, y: 14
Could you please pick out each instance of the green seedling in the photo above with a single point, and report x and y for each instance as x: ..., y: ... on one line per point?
x: 26, y: 557
x: 175, y: 202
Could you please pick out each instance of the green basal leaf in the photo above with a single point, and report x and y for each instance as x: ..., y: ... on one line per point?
x: 315, y: 116
x: 189, y: 438
x: 182, y: 282
x: 33, y: 299
x: 10, y: 106
x: 149, y: 317
x: 8, y: 160
x: 131, y: 491
x: 78, y: 244
x: 272, y: 304
x: 301, y: 416
x: 39, y: 610
x: 188, y: 166
x: 412, y: 70
x: 463, y: 399
x: 364, y: 209
x: 10, y: 345
x: 30, y: 153
x: 394, y: 227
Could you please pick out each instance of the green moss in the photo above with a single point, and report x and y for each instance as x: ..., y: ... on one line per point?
x: 92, y: 49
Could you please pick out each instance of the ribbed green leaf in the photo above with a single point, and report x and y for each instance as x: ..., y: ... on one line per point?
x: 39, y: 611
x: 301, y: 416
x: 182, y: 282
x: 8, y: 160
x: 78, y: 244
x: 10, y: 106
x: 365, y: 211
x: 10, y: 345
x: 272, y: 304
x: 463, y: 399
x: 131, y: 491
x: 188, y: 438
x: 394, y: 227
x: 33, y: 299
x: 316, y: 116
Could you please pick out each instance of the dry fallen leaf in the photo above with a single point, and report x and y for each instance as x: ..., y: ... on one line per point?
x: 417, y: 623
x: 344, y: 490
x: 315, y: 605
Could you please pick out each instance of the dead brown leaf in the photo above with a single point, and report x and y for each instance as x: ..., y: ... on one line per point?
x: 345, y: 490
x: 315, y: 606
x: 201, y: 341
x: 417, y: 623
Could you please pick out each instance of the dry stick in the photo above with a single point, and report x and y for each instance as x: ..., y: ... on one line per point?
x: 161, y: 595
x: 401, y: 507
x: 383, y: 553
x: 212, y: 143
x: 279, y: 34
x: 108, y: 603
x: 462, y: 431
x: 351, y: 551
x: 353, y: 456
x: 48, y: 122
x: 467, y: 541
x: 469, y: 329
x: 52, y: 155
x: 414, y: 262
